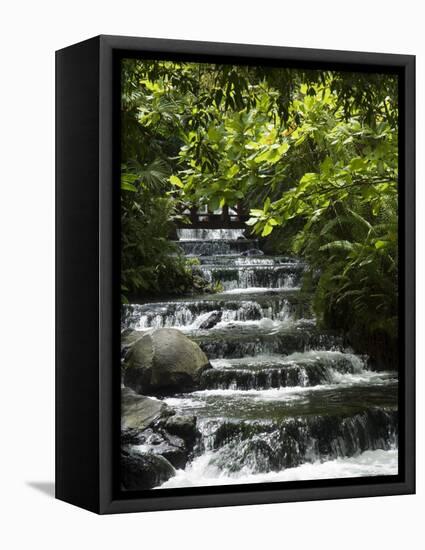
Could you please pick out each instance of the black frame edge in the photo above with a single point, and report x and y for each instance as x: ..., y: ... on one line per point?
x: 252, y: 51
x: 77, y: 283
x: 409, y: 272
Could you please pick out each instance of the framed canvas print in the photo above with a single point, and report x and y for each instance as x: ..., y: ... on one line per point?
x: 235, y: 274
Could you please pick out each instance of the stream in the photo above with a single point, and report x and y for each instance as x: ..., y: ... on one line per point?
x: 284, y: 400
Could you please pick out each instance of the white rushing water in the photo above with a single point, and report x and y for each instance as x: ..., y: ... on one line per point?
x: 261, y: 289
x: 232, y: 322
x: 290, y: 393
x: 209, y: 234
x: 203, y: 472
x: 311, y: 356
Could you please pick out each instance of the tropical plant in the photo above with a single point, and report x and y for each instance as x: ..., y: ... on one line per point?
x: 349, y: 207
x: 313, y: 155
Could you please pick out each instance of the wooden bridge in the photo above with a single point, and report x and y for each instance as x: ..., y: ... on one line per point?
x: 223, y: 218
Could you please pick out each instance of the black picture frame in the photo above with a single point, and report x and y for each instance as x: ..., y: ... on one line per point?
x: 87, y: 275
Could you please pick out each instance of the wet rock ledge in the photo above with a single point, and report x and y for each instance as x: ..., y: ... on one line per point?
x: 154, y: 441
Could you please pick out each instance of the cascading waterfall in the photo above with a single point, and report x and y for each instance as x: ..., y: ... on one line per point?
x: 183, y: 314
x: 187, y: 234
x: 284, y: 399
x: 254, y: 275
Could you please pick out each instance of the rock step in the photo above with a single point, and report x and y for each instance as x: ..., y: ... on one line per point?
x: 233, y: 307
x: 265, y: 447
x: 219, y: 247
x: 272, y: 406
x: 252, y: 261
x: 280, y: 372
x: 256, y: 276
x: 249, y: 340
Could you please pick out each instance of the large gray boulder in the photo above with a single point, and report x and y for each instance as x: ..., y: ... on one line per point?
x: 139, y: 412
x: 128, y: 338
x: 164, y: 362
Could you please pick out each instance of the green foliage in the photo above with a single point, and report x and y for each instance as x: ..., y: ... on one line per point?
x: 349, y: 207
x: 313, y: 155
x: 149, y: 260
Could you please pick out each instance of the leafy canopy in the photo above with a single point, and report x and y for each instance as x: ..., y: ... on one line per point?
x: 312, y: 155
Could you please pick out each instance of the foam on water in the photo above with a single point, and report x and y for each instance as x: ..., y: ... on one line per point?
x: 203, y: 472
x: 183, y: 402
x: 304, y: 356
x: 259, y: 289
x: 264, y: 323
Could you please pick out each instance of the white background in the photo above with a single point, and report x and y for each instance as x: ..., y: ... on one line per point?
x: 30, y: 32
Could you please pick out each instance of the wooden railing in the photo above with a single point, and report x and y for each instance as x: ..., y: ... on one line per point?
x: 228, y: 218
